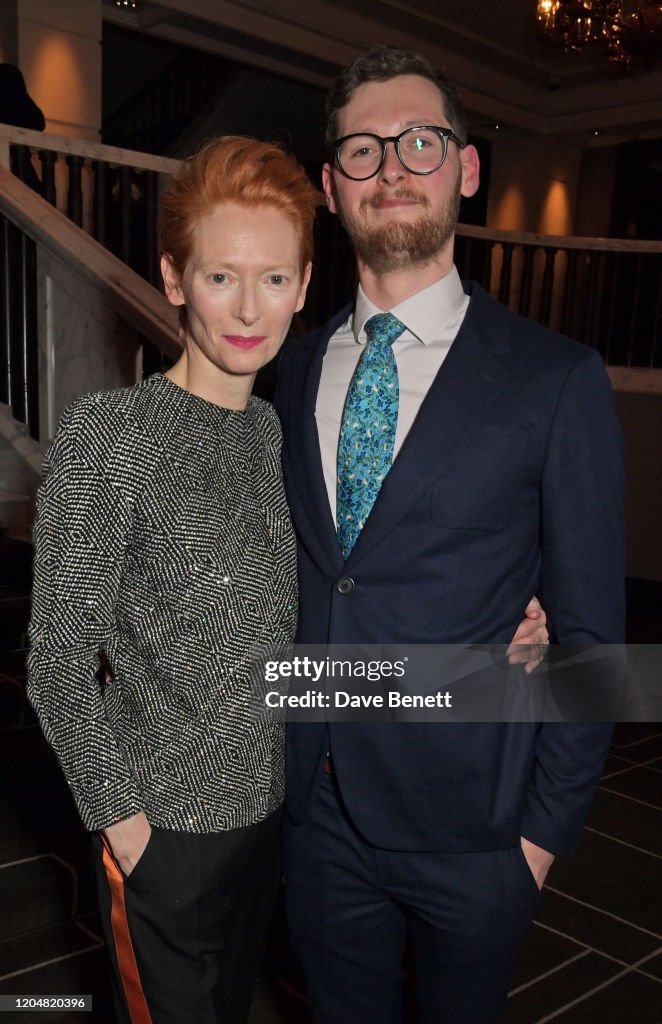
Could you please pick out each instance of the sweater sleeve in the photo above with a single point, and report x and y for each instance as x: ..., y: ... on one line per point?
x: 81, y: 534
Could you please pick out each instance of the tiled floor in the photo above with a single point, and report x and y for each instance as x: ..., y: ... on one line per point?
x: 594, y: 955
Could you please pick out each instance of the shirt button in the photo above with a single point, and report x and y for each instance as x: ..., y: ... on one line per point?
x: 345, y: 585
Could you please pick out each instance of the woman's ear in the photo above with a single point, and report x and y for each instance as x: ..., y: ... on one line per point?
x: 304, y: 286
x: 172, y: 282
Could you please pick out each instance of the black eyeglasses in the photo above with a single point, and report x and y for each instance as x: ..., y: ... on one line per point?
x: 420, y: 150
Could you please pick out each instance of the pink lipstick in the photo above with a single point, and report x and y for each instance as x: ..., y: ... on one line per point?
x: 240, y: 341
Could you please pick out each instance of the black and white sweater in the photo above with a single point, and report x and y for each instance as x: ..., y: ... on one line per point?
x: 163, y: 545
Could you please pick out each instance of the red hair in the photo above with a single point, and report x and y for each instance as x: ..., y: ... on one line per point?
x: 236, y: 169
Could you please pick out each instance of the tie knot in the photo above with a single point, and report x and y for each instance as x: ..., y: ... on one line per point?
x: 384, y: 327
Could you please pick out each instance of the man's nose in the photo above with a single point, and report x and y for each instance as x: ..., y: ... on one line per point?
x: 392, y: 169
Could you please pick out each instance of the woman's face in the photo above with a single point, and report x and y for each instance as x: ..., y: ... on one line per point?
x: 241, y: 286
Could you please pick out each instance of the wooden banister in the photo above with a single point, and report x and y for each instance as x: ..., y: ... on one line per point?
x: 143, y: 307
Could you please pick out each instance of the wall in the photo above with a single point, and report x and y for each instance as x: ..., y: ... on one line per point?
x: 57, y: 45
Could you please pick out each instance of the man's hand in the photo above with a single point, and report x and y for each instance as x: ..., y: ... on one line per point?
x: 128, y: 839
x: 539, y: 860
x: 531, y: 636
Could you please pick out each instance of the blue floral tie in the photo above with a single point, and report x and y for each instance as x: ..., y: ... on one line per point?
x: 367, y: 431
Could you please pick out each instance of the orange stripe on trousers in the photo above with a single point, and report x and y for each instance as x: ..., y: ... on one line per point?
x: 126, y: 958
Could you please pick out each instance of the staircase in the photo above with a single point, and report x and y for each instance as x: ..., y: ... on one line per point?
x: 20, y: 471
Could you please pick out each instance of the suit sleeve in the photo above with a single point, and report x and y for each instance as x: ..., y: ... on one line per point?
x: 581, y: 588
x: 81, y: 534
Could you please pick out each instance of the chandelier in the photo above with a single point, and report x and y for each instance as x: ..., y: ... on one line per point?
x: 630, y: 31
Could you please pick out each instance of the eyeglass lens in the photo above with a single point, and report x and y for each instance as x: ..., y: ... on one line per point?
x: 421, y: 150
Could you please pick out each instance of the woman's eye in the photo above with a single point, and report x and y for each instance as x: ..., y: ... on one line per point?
x: 218, y: 278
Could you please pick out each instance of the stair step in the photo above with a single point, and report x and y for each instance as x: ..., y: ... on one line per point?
x: 43, y: 946
x: 35, y: 893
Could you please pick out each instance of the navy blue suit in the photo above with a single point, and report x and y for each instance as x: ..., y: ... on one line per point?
x: 509, y: 484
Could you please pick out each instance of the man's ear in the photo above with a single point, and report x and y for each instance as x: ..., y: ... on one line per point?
x: 171, y: 282
x: 470, y: 165
x: 329, y: 189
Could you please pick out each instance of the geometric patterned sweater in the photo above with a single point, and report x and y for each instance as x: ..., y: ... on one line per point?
x: 163, y: 551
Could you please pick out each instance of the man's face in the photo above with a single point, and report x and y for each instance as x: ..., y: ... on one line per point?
x: 398, y: 219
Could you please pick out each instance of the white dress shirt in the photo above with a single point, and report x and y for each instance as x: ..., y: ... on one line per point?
x: 432, y: 319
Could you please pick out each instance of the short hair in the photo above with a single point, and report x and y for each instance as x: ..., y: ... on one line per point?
x: 236, y: 169
x: 380, y: 64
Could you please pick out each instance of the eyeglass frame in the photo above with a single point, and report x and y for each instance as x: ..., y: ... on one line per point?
x: 447, y: 134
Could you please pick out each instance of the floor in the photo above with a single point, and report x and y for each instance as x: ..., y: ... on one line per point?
x: 594, y: 955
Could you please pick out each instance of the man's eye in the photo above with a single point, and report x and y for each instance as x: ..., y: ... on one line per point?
x: 361, y: 152
x: 418, y: 143
x: 218, y: 278
x: 277, y: 279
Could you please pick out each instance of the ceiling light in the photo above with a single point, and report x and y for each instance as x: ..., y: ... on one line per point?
x: 630, y: 31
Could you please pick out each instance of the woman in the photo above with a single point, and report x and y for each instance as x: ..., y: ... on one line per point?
x: 164, y: 547
x: 164, y: 551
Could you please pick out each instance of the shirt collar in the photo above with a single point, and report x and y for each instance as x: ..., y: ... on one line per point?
x: 426, y: 315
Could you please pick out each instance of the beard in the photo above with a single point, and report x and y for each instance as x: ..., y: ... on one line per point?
x: 399, y: 244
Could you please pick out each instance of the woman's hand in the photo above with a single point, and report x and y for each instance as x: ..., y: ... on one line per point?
x: 529, y: 645
x: 128, y: 839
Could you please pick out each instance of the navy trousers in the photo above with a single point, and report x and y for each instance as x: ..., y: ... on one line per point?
x: 355, y: 910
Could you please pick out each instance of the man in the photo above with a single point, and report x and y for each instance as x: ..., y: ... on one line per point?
x: 506, y: 481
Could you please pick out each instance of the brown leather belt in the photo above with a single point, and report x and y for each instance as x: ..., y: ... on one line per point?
x: 327, y: 766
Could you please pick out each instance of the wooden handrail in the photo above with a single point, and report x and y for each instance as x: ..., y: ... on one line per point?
x: 90, y: 150
x: 559, y: 241
x: 141, y: 305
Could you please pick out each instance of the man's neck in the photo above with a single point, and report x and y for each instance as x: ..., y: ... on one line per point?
x: 389, y: 289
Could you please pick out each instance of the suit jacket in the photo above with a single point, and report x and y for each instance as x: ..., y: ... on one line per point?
x: 509, y: 484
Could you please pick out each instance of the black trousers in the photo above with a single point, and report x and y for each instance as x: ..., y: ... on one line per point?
x: 355, y: 910
x: 186, y: 930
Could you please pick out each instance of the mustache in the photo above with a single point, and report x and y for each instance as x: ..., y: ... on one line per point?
x: 398, y: 193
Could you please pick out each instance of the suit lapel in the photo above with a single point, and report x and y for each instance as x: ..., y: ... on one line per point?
x: 459, y: 399
x: 316, y: 525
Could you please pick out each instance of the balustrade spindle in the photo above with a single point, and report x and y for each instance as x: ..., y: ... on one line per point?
x: 633, y: 325
x: 152, y: 271
x: 5, y: 314
x: 608, y: 339
x: 19, y: 160
x: 28, y: 335
x: 569, y: 291
x: 75, y: 189
x: 547, y: 286
x: 125, y: 176
x: 656, y: 347
x: 100, y: 204
x: 48, y: 161
x: 506, y: 270
x: 526, y: 280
